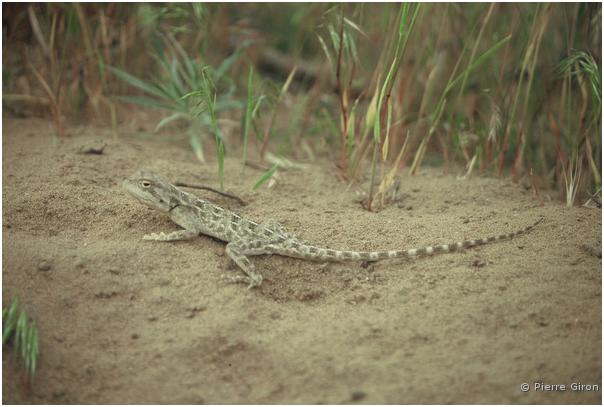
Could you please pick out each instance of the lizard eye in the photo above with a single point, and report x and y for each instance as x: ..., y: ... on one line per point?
x: 145, y: 184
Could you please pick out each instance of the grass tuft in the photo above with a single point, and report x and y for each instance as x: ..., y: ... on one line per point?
x: 21, y: 332
x: 495, y: 88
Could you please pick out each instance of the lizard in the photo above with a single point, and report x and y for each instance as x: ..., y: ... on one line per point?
x: 248, y: 238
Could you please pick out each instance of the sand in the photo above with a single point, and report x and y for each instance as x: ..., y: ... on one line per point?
x: 123, y: 320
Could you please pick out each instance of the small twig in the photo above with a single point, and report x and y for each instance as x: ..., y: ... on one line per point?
x: 236, y: 198
x: 271, y: 122
x: 535, y: 189
x: 54, y: 98
x: 343, y: 97
x: 595, y: 198
x: 35, y: 27
x: 27, y: 99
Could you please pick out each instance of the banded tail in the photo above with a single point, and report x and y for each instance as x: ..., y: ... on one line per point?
x: 312, y: 252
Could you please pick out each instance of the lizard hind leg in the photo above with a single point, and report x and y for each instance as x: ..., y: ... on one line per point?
x: 238, y: 252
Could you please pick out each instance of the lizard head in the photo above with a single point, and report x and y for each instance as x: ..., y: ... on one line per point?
x: 151, y: 189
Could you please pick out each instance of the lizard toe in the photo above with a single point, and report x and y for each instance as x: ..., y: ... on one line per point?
x: 236, y: 279
x: 255, y: 281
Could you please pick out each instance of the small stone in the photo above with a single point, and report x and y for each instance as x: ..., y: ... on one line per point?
x: 134, y: 336
x: 357, y: 299
x: 310, y: 295
x: 592, y: 250
x: 163, y: 282
x: 479, y: 263
x: 95, y: 147
x: 58, y: 394
x: 358, y: 395
x: 105, y: 294
x: 43, y: 266
x: 194, y: 311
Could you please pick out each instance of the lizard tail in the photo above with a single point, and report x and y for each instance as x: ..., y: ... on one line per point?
x: 323, y: 254
x: 444, y: 248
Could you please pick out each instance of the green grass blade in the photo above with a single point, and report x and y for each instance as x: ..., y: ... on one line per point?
x: 146, y: 102
x: 34, y: 351
x: 9, y: 320
x: 31, y: 354
x: 355, y: 27
x: 170, y: 90
x: 257, y: 104
x: 265, y: 177
x: 21, y: 334
x: 249, y: 109
x: 166, y: 120
x: 16, y: 324
x: 351, y: 129
x: 175, y: 77
x: 335, y: 37
x: 137, y: 83
x: 196, y: 145
x: 27, y: 346
x: 230, y: 60
x: 220, y: 161
x: 479, y: 61
x: 326, y: 51
x: 9, y: 312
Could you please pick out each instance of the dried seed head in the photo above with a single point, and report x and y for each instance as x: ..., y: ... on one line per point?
x: 495, y: 122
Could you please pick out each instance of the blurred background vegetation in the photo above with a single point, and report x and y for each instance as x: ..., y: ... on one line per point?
x: 495, y: 89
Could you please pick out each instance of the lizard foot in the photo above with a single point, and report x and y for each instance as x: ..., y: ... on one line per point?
x: 251, y: 282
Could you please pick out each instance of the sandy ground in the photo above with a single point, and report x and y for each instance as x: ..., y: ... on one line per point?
x: 128, y: 321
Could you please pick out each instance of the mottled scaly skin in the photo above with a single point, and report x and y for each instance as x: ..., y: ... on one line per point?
x: 247, y: 238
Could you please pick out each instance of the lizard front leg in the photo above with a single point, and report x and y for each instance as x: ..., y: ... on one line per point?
x: 184, y: 234
x: 238, y: 251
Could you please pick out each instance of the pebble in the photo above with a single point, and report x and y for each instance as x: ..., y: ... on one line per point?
x: 43, y: 266
x: 94, y: 147
x: 358, y: 395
